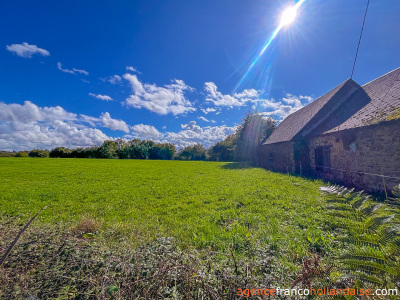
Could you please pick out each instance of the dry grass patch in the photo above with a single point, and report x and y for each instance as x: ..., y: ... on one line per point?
x: 86, y: 227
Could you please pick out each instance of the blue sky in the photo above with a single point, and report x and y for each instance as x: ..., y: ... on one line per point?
x: 74, y: 73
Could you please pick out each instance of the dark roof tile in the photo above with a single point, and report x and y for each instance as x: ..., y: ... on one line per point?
x: 346, y: 106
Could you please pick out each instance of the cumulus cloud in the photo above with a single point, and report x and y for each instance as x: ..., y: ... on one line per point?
x: 26, y: 50
x: 132, y: 69
x: 142, y: 131
x: 192, y: 133
x: 28, y: 126
x: 101, y: 97
x: 237, y: 99
x: 72, y: 71
x: 161, y: 100
x: 286, y: 106
x: 113, y: 124
x: 276, y: 109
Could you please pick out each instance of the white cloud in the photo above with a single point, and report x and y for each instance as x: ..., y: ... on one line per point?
x: 26, y: 50
x: 288, y: 105
x: 235, y: 100
x: 276, y: 109
x: 115, y: 79
x: 132, y: 69
x: 101, y: 97
x: 93, y: 121
x: 72, y: 71
x: 142, y: 131
x: 161, y: 100
x: 191, y: 134
x: 208, y: 110
x: 28, y: 126
x: 113, y: 124
x: 206, y: 120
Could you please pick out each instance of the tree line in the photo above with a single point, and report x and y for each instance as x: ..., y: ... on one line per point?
x: 242, y: 145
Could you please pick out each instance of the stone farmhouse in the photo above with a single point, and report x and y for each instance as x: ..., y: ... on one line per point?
x: 350, y: 136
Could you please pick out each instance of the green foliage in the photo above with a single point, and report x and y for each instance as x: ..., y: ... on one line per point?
x: 195, y: 152
x: 165, y: 151
x: 60, y: 152
x: 371, y: 233
x: 254, y: 130
x: 134, y: 149
x: 22, y: 154
x: 50, y: 263
x: 7, y: 154
x: 244, y: 144
x: 224, y: 150
x: 38, y: 153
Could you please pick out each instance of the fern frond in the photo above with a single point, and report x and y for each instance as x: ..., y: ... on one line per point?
x: 364, y: 241
x: 371, y: 208
x: 374, y: 222
x: 388, y: 235
x: 374, y: 231
x: 366, y: 254
x: 394, y: 247
x: 367, y: 267
x: 359, y: 202
x: 374, y: 280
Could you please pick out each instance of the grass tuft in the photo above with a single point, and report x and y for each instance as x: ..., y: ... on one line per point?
x: 86, y: 226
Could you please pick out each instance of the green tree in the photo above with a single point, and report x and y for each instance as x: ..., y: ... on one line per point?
x: 195, y: 152
x: 109, y: 149
x: 224, y: 150
x: 22, y: 154
x: 38, y: 153
x: 253, y: 131
x: 164, y: 151
x: 61, y: 152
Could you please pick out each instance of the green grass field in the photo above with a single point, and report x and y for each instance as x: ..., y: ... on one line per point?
x: 202, y: 204
x: 223, y: 225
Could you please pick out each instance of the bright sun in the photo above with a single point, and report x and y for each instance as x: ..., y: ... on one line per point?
x: 288, y: 15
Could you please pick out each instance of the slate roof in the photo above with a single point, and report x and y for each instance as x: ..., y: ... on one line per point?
x: 349, y: 105
x: 384, y: 104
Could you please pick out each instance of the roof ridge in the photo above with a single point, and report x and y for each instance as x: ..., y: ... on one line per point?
x: 307, y: 113
x: 380, y: 76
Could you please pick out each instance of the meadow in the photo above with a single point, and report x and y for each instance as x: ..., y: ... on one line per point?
x: 201, y: 204
x: 230, y: 209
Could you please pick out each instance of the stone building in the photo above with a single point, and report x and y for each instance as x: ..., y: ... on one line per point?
x: 350, y: 136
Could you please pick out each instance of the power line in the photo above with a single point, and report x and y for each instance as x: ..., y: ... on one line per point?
x: 359, y: 41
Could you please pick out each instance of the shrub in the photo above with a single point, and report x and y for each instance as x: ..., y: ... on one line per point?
x: 60, y: 152
x: 38, y: 153
x: 22, y: 154
x: 7, y: 154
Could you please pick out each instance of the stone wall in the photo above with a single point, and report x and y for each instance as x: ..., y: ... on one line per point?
x: 373, y: 149
x: 277, y: 157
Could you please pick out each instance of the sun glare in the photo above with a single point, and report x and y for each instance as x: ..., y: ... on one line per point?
x: 288, y: 15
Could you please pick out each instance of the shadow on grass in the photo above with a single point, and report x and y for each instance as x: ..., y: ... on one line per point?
x: 236, y: 165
